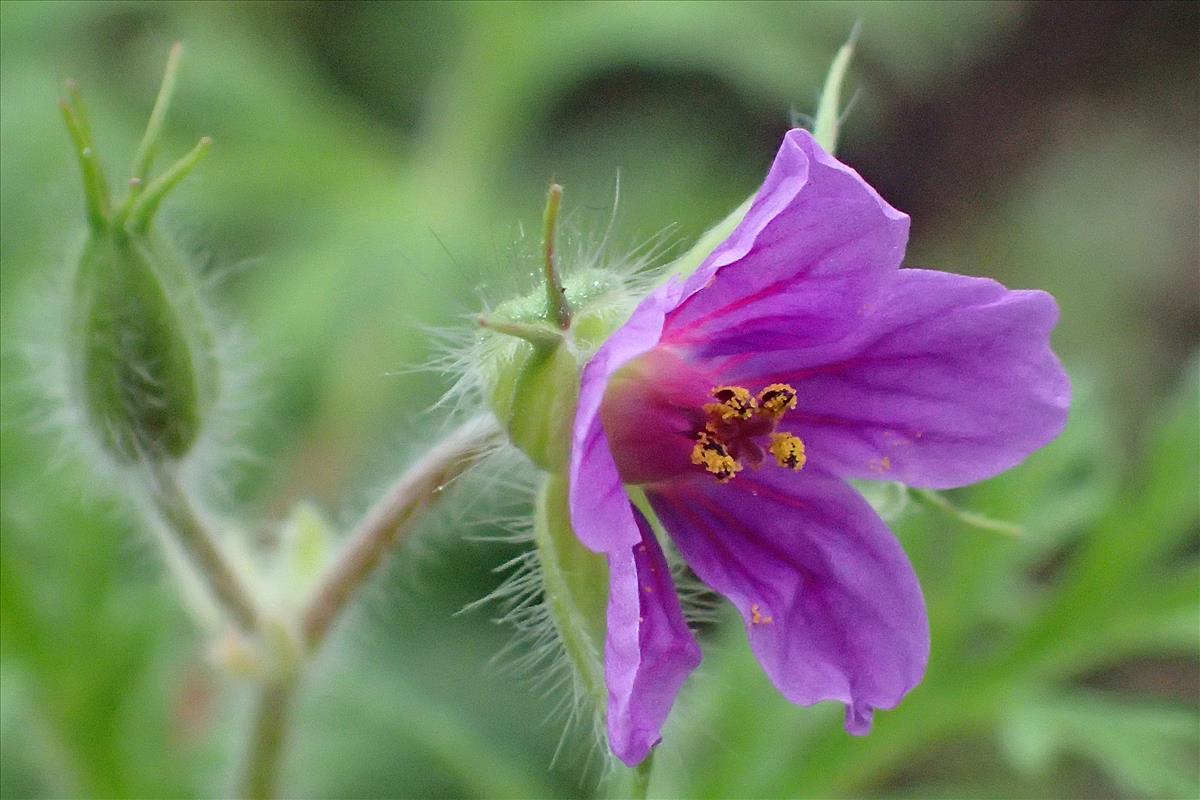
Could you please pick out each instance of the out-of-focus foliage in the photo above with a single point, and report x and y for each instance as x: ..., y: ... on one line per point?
x: 373, y: 166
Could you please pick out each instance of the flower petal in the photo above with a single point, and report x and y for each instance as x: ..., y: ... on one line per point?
x: 950, y: 380
x: 600, y: 511
x: 599, y: 508
x: 851, y: 241
x: 831, y: 604
x: 823, y: 243
x: 649, y: 652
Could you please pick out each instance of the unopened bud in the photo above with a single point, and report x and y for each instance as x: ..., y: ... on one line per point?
x: 141, y: 350
x: 537, y: 346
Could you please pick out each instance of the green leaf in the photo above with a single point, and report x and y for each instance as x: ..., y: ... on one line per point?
x: 1148, y: 749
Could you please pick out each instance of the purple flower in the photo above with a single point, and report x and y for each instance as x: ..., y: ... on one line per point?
x: 741, y: 398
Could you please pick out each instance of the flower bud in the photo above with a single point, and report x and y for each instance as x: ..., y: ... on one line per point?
x: 535, y: 348
x: 141, y: 351
x: 142, y: 355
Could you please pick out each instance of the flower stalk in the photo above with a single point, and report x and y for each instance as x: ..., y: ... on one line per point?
x: 203, y: 548
x: 642, y: 773
x: 271, y: 716
x: 391, y: 519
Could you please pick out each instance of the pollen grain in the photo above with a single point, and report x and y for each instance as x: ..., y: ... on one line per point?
x: 714, y: 457
x: 733, y: 402
x: 777, y: 399
x: 788, y: 450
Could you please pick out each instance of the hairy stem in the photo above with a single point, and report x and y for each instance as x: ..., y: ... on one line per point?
x: 266, y: 743
x: 202, y: 548
x: 391, y: 518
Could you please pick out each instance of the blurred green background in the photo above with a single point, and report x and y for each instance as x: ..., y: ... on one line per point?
x: 374, y: 166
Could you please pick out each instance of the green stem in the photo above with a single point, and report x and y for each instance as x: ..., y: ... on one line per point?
x: 640, y: 789
x: 266, y: 744
x: 202, y: 548
x: 828, y: 121
x: 938, y: 501
x: 392, y: 517
x: 829, y: 114
x: 690, y: 261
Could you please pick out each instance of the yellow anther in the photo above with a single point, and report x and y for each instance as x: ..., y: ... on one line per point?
x: 715, y: 458
x: 777, y: 399
x: 733, y: 402
x: 756, y: 616
x: 788, y: 450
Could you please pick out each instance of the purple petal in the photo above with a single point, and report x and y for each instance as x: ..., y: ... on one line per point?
x: 649, y: 652
x: 948, y: 381
x: 600, y: 511
x: 831, y: 604
x: 851, y: 238
x: 599, y: 508
x: 830, y: 242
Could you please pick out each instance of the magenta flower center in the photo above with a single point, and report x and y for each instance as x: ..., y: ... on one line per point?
x: 665, y: 419
x: 736, y: 424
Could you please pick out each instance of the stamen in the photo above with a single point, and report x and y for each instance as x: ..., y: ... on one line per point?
x: 714, y: 457
x: 788, y: 450
x: 757, y: 617
x: 777, y: 399
x: 734, y: 424
x: 734, y: 402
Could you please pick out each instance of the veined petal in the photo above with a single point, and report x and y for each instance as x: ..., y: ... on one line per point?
x: 600, y: 511
x: 649, y: 651
x: 831, y: 604
x: 822, y: 253
x: 948, y: 381
x: 815, y: 244
x: 599, y: 508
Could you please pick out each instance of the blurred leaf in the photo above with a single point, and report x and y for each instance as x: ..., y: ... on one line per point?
x: 1149, y: 750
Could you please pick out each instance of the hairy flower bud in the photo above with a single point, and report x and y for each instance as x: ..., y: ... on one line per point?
x: 143, y: 363
x: 141, y: 352
x: 535, y: 348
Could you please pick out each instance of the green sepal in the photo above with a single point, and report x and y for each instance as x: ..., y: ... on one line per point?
x: 575, y: 585
x: 534, y: 396
x: 531, y: 368
x: 888, y: 498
